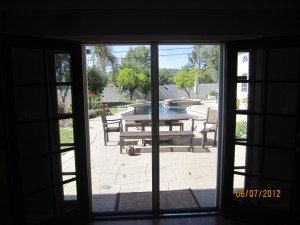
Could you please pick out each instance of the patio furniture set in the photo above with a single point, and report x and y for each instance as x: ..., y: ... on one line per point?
x: 142, y: 121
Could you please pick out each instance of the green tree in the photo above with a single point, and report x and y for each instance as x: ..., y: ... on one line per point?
x: 184, y: 80
x: 144, y: 84
x: 206, y: 58
x: 97, y: 80
x: 62, y: 62
x: 107, y: 60
x: 166, y: 76
x: 129, y: 80
x: 203, y: 78
x: 138, y: 59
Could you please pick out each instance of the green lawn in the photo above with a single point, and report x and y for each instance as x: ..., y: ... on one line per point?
x: 66, y: 136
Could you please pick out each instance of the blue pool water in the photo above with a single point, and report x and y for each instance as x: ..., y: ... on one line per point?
x: 146, y: 110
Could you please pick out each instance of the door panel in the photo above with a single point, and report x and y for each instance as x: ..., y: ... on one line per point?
x: 42, y: 78
x: 260, y: 154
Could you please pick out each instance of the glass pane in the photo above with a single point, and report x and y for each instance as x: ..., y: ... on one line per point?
x: 248, y: 158
x: 241, y: 127
x: 283, y: 64
x: 245, y: 189
x: 251, y: 65
x: 38, y: 207
x: 27, y: 66
x: 68, y: 177
x: 280, y: 132
x: 249, y: 128
x: 276, y: 195
x: 30, y: 103
x: 238, y: 182
x: 240, y: 156
x: 278, y: 164
x: 121, y: 175
x: 242, y: 95
x: 33, y: 139
x: 64, y: 165
x: 243, y: 66
x: 241, y: 182
x: 250, y: 97
x: 62, y: 134
x: 258, y: 64
x: 66, y: 197
x: 62, y: 63
x: 36, y: 174
x: 61, y: 100
x: 282, y: 98
x: 189, y: 81
x: 70, y: 191
x: 64, y: 99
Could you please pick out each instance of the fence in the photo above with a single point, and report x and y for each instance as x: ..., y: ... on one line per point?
x: 111, y: 94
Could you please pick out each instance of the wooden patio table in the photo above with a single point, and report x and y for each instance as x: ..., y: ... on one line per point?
x: 167, y: 119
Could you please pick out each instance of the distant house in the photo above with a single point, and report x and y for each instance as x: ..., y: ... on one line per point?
x: 243, y: 71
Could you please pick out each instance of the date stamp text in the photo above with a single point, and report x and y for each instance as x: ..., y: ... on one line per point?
x: 258, y: 193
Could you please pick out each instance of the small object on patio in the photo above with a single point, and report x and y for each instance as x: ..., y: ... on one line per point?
x: 130, y: 150
x: 107, y: 110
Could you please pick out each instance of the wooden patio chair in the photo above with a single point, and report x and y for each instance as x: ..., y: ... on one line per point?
x: 109, y: 125
x: 210, y: 125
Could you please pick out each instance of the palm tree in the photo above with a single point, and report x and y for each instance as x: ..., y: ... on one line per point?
x: 106, y: 58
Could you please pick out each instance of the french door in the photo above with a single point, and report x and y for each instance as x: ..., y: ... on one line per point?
x: 46, y: 129
x: 262, y: 137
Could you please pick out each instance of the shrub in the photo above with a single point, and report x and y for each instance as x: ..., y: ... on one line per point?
x: 241, y: 129
x: 213, y: 93
x: 94, y: 101
x: 94, y: 113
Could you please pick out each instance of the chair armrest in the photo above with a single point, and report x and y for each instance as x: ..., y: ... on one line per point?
x: 195, y: 119
x: 193, y: 122
x: 108, y: 120
x: 211, y: 122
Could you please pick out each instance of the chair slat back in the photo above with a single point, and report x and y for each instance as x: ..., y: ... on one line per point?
x: 212, y: 115
x: 103, y: 117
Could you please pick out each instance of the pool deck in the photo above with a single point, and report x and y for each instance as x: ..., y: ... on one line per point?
x: 113, y: 173
x: 202, y: 108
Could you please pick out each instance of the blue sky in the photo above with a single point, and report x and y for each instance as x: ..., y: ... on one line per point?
x: 170, y: 56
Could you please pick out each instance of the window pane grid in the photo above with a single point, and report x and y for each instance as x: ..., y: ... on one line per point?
x: 24, y: 159
x: 248, y: 144
x: 53, y: 118
x: 276, y: 146
x: 261, y: 177
x: 50, y: 187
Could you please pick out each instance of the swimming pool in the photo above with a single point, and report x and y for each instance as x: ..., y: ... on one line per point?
x: 146, y: 110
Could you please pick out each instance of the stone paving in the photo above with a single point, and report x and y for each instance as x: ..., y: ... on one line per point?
x: 114, y: 173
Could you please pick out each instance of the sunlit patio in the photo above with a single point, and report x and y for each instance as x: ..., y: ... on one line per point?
x: 180, y: 169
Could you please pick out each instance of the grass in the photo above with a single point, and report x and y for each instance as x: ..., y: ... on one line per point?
x: 66, y: 136
x: 116, y: 107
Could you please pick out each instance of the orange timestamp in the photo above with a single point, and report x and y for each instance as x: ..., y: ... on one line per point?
x: 258, y: 193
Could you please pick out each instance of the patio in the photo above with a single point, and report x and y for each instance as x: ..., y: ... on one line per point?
x: 114, y: 173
